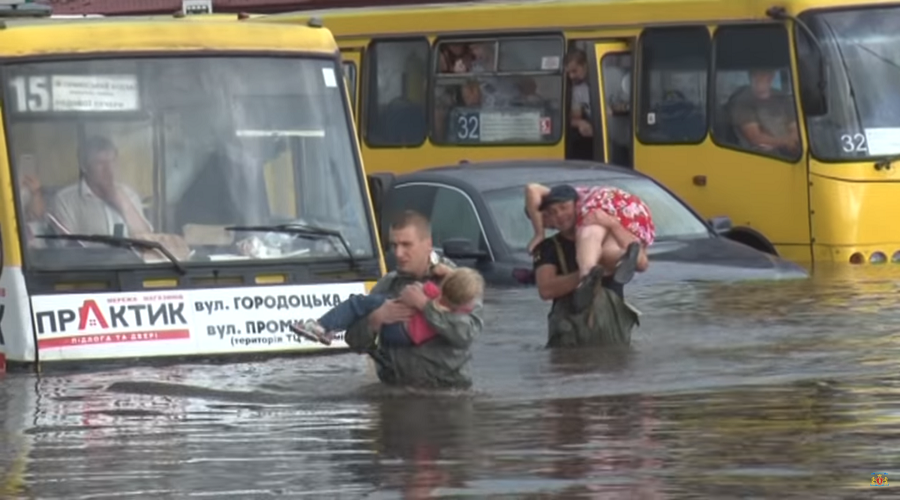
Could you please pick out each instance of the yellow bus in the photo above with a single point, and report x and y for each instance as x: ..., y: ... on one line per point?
x: 816, y: 186
x: 174, y: 187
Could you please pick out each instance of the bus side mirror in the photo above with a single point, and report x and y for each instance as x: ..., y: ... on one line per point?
x: 814, y: 101
x: 812, y: 73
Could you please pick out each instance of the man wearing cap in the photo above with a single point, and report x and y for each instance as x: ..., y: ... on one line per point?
x: 595, y: 314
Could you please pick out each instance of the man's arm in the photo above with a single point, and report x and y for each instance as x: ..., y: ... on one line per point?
x: 552, y: 285
x: 361, y: 334
x: 131, y: 208
x: 745, y: 119
x: 458, y: 329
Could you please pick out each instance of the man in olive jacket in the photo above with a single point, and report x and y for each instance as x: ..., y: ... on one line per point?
x: 442, y: 362
x: 595, y: 314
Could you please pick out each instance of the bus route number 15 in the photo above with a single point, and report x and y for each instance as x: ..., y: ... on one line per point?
x: 32, y: 93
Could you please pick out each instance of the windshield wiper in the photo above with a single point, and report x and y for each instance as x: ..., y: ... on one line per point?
x: 301, y: 231
x: 121, y: 242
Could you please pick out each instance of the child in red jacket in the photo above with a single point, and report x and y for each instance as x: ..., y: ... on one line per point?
x: 459, y: 291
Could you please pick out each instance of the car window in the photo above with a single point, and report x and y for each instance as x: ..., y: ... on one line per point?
x: 450, y: 211
x: 672, y: 219
x: 453, y: 216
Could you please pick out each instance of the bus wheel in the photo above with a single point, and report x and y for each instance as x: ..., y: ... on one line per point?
x: 752, y: 238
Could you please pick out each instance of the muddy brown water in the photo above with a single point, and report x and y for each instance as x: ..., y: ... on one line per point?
x: 752, y: 390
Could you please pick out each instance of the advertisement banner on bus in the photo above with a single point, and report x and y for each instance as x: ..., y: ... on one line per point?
x: 181, y: 322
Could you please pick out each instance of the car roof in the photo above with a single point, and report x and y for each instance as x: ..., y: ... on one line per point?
x: 491, y: 175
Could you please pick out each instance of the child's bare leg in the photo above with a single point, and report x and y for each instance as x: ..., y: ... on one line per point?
x: 642, y: 261
x: 613, y: 248
x: 589, y: 247
x: 612, y: 254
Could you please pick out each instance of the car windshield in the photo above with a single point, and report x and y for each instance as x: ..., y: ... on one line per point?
x: 179, y: 150
x: 672, y: 219
x: 862, y: 49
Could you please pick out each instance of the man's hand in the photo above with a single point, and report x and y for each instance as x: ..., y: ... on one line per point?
x: 31, y: 183
x: 172, y: 242
x: 601, y: 218
x: 584, y: 128
x: 392, y: 311
x: 414, y: 296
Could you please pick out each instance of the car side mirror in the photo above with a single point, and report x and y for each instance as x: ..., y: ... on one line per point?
x: 463, y: 248
x: 720, y: 225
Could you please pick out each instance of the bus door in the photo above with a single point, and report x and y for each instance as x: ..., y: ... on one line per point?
x: 614, y: 68
x: 352, y: 58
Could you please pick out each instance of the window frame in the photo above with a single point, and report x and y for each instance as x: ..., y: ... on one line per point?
x: 472, y: 204
x: 368, y: 90
x: 476, y: 37
x: 353, y: 81
x: 641, y: 97
x: 713, y: 94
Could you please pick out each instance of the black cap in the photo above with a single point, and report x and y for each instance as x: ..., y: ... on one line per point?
x: 558, y: 194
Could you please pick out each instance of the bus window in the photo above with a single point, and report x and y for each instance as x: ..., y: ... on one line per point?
x: 674, y: 68
x: 754, y: 103
x: 498, y: 91
x: 350, y: 77
x: 395, y: 97
x: 175, y: 150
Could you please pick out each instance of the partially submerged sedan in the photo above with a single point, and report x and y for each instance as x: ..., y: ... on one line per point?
x: 478, y: 220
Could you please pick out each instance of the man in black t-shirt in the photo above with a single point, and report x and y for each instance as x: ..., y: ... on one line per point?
x: 594, y: 314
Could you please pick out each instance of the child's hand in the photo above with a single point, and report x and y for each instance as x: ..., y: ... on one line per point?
x: 413, y: 296
x: 534, y: 243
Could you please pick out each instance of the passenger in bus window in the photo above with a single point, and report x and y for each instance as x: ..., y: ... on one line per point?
x: 455, y: 58
x: 483, y: 57
x: 764, y: 118
x: 34, y: 209
x: 470, y: 94
x: 97, y: 202
x: 580, y: 105
x: 32, y: 197
x: 527, y: 94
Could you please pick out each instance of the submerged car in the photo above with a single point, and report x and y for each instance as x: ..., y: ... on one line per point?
x: 478, y: 220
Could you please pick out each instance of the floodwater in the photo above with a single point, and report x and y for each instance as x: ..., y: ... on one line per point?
x: 756, y: 390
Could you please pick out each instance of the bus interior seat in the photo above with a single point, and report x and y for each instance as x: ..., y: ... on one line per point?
x: 401, y: 122
x: 679, y: 120
x: 724, y: 129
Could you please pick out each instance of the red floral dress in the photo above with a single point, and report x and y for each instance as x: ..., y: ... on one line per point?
x: 631, y: 211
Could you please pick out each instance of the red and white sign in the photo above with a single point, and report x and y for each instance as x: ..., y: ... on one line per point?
x: 181, y: 322
x: 546, y: 125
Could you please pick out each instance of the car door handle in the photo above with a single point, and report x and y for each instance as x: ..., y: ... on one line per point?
x: 699, y: 180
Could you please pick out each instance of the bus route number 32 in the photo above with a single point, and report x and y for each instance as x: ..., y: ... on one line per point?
x: 468, y: 127
x: 854, y: 143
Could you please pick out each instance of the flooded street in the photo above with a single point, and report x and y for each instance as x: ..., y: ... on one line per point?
x: 754, y: 390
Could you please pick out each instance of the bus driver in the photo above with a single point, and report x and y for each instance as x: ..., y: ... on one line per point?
x: 97, y: 203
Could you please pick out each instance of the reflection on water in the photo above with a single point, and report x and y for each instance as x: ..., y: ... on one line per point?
x: 755, y: 390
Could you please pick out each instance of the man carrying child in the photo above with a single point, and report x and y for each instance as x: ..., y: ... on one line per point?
x: 419, y: 335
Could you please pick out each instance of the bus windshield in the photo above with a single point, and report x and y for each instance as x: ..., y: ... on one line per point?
x: 862, y: 50
x: 211, y: 157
